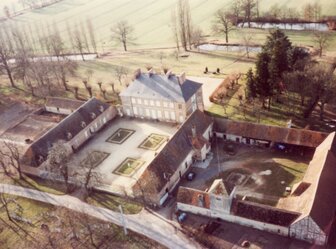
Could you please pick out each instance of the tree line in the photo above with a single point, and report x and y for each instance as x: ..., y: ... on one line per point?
x: 280, y: 67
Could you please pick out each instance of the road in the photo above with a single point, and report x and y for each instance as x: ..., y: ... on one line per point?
x: 152, y: 226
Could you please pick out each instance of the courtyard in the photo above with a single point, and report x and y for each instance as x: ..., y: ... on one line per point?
x: 117, y: 150
x: 260, y: 174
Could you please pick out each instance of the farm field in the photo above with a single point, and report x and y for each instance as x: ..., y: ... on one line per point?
x: 151, y: 19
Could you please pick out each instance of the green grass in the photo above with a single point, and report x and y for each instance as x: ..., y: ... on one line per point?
x: 128, y: 166
x: 120, y: 136
x: 153, y: 142
x: 94, y: 158
x: 112, y: 202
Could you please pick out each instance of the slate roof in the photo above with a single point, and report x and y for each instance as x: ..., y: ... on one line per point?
x: 270, y: 133
x: 161, y: 87
x: 63, y: 103
x: 71, y: 123
x: 165, y: 164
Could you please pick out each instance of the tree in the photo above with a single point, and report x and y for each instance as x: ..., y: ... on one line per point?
x: 322, y: 39
x: 92, y: 35
x: 223, y: 24
x: 78, y: 41
x: 251, y: 85
x: 58, y: 162
x: 6, y: 53
x: 175, y: 29
x: 248, y: 7
x: 197, y: 37
x: 122, y: 32
x: 120, y: 72
x: 247, y: 42
x: 262, y: 77
x: 236, y: 9
x: 10, y: 157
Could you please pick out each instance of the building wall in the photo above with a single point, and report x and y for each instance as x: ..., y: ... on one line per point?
x: 306, y: 229
x: 92, y: 128
x: 284, y: 231
x: 57, y: 110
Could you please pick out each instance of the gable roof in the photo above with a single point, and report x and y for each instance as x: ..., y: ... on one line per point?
x: 161, y: 87
x: 63, y: 103
x: 271, y: 133
x: 165, y: 164
x: 71, y: 124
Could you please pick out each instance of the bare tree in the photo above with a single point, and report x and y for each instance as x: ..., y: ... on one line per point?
x: 58, y: 162
x: 89, y: 176
x: 197, y: 37
x: 92, y: 35
x: 10, y: 155
x: 223, y: 24
x: 120, y: 72
x: 236, y: 10
x: 248, y: 7
x: 322, y: 39
x: 6, y: 53
x: 175, y: 29
x: 247, y: 41
x: 78, y: 41
x: 122, y: 32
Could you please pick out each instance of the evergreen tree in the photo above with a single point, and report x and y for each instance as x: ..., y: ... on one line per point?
x: 251, y: 85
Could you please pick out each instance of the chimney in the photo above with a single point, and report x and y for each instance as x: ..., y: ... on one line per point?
x: 181, y: 78
x: 137, y: 73
x: 169, y: 73
x: 193, y: 131
x: 150, y: 72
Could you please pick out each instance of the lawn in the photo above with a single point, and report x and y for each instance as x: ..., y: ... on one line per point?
x: 112, y: 202
x: 128, y: 166
x: 37, y: 214
x: 120, y: 136
x: 94, y: 159
x: 153, y: 142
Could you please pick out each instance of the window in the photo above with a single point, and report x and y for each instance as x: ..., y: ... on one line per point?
x: 139, y: 101
x: 172, y: 116
x: 147, y: 113
x: 159, y: 112
x: 152, y: 102
x: 166, y: 114
x: 146, y: 102
x: 158, y: 103
x: 133, y: 100
x: 171, y: 105
x: 165, y: 104
x: 135, y: 110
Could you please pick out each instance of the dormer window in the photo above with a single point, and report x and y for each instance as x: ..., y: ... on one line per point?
x: 69, y: 135
x: 40, y: 159
x: 83, y: 124
x: 101, y: 109
x: 92, y: 115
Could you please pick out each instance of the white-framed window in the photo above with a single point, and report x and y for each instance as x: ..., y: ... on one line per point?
x: 146, y: 102
x: 181, y: 118
x: 158, y: 103
x: 154, y: 114
x: 147, y: 113
x: 171, y: 105
x: 139, y: 101
x: 159, y: 113
x: 165, y: 104
x: 172, y: 116
x: 135, y: 110
x: 152, y: 102
x: 166, y: 114
x: 133, y: 100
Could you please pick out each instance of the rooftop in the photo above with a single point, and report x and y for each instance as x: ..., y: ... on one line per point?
x: 162, y: 87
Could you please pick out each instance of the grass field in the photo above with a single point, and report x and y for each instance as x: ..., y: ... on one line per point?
x: 151, y: 19
x: 128, y: 166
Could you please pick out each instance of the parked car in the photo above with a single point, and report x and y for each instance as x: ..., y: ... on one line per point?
x: 182, y: 217
x: 191, y: 176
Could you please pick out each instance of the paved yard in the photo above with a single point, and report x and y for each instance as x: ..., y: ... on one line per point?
x: 119, y: 152
x: 209, y: 85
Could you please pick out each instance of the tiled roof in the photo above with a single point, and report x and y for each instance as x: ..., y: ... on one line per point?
x: 161, y: 87
x: 64, y: 103
x: 165, y: 164
x: 192, y: 197
x: 71, y: 124
x: 271, y: 133
x: 263, y: 213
